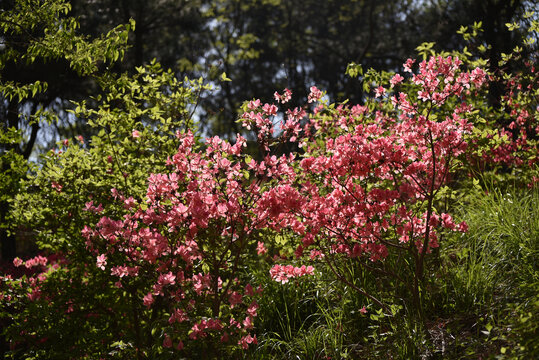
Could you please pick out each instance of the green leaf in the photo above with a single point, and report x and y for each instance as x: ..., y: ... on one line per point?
x: 354, y: 70
x: 224, y: 78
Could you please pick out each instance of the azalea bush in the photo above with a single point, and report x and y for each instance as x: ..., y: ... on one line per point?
x: 368, y: 180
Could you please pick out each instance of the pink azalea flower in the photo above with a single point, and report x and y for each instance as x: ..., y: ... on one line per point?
x: 254, y: 104
x: 314, y: 95
x: 234, y: 299
x: 58, y: 187
x: 261, y: 248
x: 379, y: 91
x: 101, y: 261
x: 17, y: 262
x: 396, y: 79
x: 148, y: 299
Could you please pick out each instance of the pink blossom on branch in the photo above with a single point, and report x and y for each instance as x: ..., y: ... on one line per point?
x: 17, y: 262
x: 285, y: 97
x: 261, y: 248
x: 101, y: 261
x: 314, y: 94
x: 396, y: 79
x: 283, y: 273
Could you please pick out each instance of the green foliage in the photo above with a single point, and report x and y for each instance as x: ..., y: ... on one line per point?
x: 37, y: 34
x: 354, y: 70
x: 40, y: 32
x: 50, y: 36
x: 135, y: 121
x: 426, y: 50
x: 14, y: 168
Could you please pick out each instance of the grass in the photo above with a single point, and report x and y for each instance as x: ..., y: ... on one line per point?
x: 492, y: 276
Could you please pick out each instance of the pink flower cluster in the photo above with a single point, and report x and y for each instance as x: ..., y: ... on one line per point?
x: 314, y: 95
x: 365, y: 183
x: 180, y: 241
x: 515, y: 143
x: 283, y: 273
x: 284, y: 98
x: 35, y: 261
x: 262, y: 118
x: 36, y: 269
x: 439, y: 79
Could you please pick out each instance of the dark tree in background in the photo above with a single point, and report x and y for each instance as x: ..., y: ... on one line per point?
x: 171, y: 31
x: 266, y: 45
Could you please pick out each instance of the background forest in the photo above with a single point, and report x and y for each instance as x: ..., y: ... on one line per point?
x: 269, y: 179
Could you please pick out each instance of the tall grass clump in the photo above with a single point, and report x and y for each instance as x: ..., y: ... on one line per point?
x: 490, y: 275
